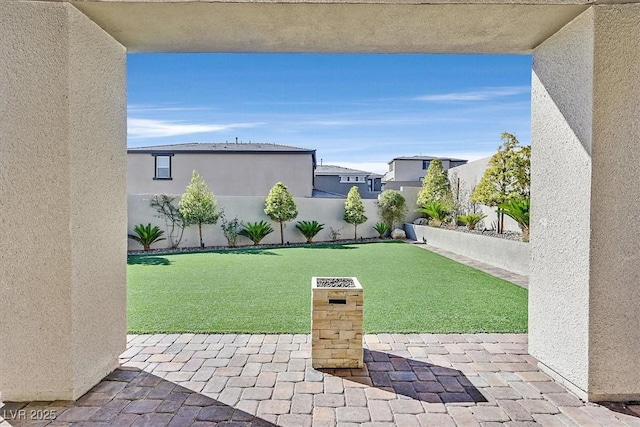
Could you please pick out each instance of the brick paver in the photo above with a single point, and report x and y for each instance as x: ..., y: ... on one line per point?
x: 265, y: 380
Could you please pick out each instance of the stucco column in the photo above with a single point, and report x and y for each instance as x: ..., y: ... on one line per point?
x: 63, y: 194
x: 584, y: 316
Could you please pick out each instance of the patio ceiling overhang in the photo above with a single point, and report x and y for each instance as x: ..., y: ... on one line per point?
x: 331, y: 26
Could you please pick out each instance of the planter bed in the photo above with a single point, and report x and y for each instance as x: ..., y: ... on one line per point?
x: 502, y: 253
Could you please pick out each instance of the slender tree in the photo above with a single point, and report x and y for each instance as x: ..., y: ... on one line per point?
x: 506, y: 178
x: 280, y: 206
x: 436, y: 187
x: 392, y: 207
x: 354, y: 210
x: 198, y: 204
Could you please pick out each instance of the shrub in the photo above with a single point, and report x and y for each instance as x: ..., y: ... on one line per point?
x: 382, y: 228
x: 163, y: 204
x: 471, y: 220
x: 334, y: 234
x: 147, y: 235
x: 309, y: 229
x: 354, y: 210
x: 280, y: 206
x: 256, y: 231
x: 436, y: 212
x: 519, y: 211
x: 392, y: 207
x: 231, y: 230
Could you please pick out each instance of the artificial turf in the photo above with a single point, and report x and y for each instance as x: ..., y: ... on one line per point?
x: 406, y: 289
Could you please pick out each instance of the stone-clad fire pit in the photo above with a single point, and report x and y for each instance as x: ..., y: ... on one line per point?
x: 336, y: 322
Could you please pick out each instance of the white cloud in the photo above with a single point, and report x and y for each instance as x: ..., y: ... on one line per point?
x: 150, y: 128
x: 484, y: 94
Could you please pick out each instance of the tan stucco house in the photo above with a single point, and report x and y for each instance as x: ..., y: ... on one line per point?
x: 229, y: 169
x: 409, y: 171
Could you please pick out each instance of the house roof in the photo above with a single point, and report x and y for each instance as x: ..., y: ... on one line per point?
x: 424, y: 158
x: 198, y: 148
x: 321, y: 194
x: 337, y: 170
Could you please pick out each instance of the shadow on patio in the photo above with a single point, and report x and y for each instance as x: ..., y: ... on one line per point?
x: 131, y: 397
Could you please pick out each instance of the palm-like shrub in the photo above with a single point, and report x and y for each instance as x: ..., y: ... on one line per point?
x: 256, y: 231
x: 471, y: 220
x: 437, y: 213
x: 519, y: 211
x: 147, y: 235
x: 382, y: 228
x: 309, y: 229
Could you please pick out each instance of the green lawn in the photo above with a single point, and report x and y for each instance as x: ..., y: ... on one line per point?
x: 407, y: 289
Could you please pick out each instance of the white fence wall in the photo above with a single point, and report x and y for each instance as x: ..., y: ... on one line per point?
x: 251, y: 209
x: 411, y: 196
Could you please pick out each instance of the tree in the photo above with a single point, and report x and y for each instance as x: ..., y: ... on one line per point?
x: 198, y: 204
x: 280, y: 206
x: 436, y: 187
x: 354, y: 210
x: 392, y: 207
x: 506, y: 178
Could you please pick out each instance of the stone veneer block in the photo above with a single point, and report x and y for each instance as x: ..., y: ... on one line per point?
x: 336, y: 325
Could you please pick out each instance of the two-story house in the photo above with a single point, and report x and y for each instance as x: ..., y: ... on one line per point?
x: 339, y: 180
x: 410, y: 171
x: 229, y: 169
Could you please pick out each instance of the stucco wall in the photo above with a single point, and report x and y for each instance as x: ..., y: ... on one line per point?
x: 562, y: 86
x: 251, y: 209
x: 397, y: 185
x: 411, y: 170
x: 62, y: 166
x: 408, y: 170
x: 506, y: 254
x: 614, y: 294
x: 226, y: 174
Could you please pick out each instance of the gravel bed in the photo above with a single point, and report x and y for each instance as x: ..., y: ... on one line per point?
x: 167, y: 251
x: 335, y: 282
x: 509, y: 235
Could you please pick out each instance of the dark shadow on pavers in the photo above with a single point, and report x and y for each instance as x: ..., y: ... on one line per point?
x: 412, y: 378
x: 131, y: 396
x: 623, y: 408
x: 147, y: 260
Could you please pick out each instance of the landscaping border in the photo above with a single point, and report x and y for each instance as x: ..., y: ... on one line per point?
x: 502, y: 253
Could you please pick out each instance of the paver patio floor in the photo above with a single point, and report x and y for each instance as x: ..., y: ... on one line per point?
x: 264, y: 380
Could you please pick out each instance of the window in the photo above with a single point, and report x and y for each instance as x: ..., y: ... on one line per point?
x: 358, y: 179
x: 162, y: 166
x: 425, y: 164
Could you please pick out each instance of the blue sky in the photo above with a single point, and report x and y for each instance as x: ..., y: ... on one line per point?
x: 355, y: 110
